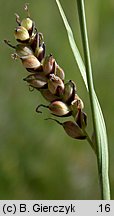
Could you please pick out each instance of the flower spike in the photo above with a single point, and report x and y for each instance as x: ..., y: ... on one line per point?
x: 47, y: 77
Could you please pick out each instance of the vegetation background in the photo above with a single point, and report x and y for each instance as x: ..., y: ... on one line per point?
x: 37, y: 159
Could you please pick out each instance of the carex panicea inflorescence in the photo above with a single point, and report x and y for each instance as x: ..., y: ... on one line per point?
x: 46, y: 76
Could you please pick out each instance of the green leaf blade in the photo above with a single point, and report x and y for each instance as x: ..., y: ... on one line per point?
x: 98, y: 119
x: 73, y: 46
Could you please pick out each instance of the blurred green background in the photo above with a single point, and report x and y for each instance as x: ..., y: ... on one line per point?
x: 37, y: 159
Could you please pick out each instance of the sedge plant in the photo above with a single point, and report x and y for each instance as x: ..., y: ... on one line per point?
x: 48, y: 78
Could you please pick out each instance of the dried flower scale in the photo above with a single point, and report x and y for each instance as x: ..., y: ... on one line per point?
x: 46, y: 76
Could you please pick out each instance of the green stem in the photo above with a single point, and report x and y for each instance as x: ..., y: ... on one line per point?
x: 89, y: 141
x: 104, y: 182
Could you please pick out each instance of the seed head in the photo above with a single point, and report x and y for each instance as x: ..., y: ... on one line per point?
x: 21, y: 34
x: 48, y: 64
x: 73, y: 130
x: 59, y: 72
x: 48, y: 95
x: 76, y: 104
x: 36, y: 81
x: 55, y: 85
x: 27, y: 23
x: 48, y: 77
x: 59, y: 108
x: 69, y: 92
x: 30, y: 62
x: 23, y: 50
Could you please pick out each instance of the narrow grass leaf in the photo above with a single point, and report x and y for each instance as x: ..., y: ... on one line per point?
x: 73, y: 44
x: 101, y: 128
